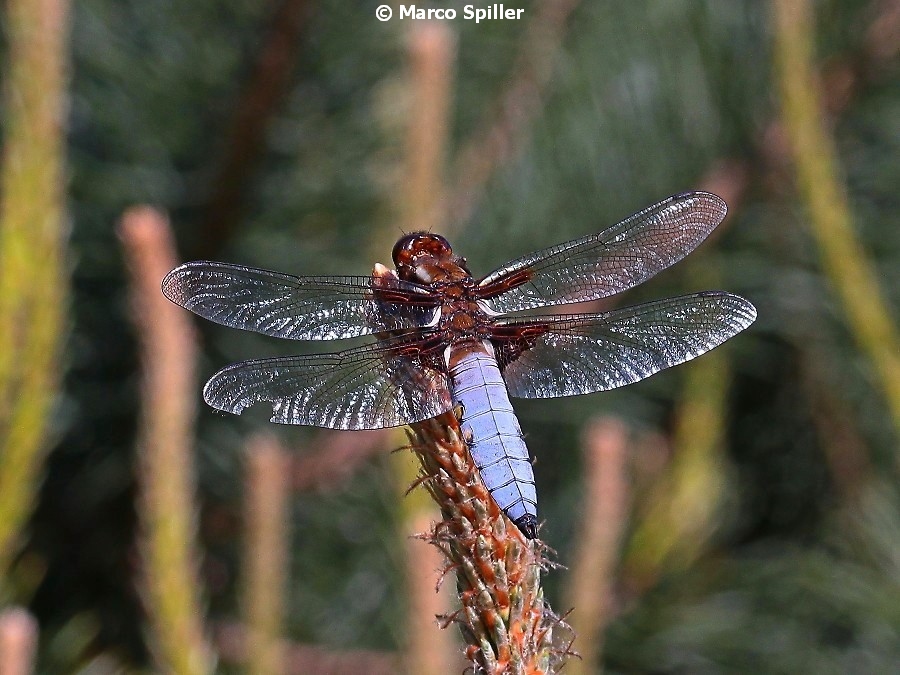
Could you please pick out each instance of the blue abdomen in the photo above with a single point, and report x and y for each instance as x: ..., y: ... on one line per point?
x: 492, y: 432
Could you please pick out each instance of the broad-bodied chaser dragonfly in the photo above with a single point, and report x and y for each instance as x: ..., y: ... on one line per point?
x: 446, y: 340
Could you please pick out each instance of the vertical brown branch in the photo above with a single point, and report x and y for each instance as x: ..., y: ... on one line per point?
x: 432, y: 52
x: 263, y: 92
x: 431, y: 48
x: 265, y: 553
x: 18, y: 642
x: 167, y: 510
x: 32, y: 250
x: 603, y: 518
x: 818, y: 175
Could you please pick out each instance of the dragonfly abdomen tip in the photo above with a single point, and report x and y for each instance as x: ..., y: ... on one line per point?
x: 527, y: 524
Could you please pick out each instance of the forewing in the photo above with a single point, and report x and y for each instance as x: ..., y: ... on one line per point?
x: 297, y: 308
x: 603, y: 264
x: 581, y: 354
x: 386, y: 384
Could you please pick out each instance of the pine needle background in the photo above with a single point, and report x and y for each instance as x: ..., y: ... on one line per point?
x: 736, y: 514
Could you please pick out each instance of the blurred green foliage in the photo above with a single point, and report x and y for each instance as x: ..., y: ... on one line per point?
x: 647, y: 99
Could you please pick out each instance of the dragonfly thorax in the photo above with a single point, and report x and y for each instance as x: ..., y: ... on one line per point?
x: 461, y: 315
x: 461, y: 321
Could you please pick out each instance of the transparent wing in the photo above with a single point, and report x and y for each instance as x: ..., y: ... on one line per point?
x: 603, y: 264
x: 386, y: 384
x: 581, y: 354
x: 298, y: 308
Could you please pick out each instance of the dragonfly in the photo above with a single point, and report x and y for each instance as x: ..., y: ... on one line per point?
x: 442, y: 340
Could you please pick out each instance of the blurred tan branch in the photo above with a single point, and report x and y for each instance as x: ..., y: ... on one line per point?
x: 603, y: 517
x: 18, y: 642
x: 883, y: 34
x: 232, y: 641
x: 429, y: 649
x: 432, y: 55
x: 334, y: 456
x: 167, y: 510
x: 33, y: 280
x: 507, y: 123
x: 843, y: 257
x: 266, y: 544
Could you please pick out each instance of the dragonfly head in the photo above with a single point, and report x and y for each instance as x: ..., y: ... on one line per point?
x: 414, y: 253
